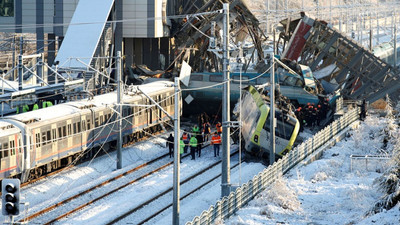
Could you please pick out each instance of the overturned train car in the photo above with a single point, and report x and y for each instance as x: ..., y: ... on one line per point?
x: 256, y: 126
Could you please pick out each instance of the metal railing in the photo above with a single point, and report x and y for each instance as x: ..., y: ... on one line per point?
x: 366, y: 158
x: 228, y: 205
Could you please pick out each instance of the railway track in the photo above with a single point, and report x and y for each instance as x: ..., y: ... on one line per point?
x: 108, y: 181
x: 72, y: 165
x: 166, y: 194
x: 142, y: 171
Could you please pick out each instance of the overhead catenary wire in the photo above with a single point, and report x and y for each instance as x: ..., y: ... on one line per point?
x: 51, y: 25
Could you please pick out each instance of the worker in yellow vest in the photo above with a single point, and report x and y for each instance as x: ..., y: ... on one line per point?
x: 181, y: 147
x: 35, y: 107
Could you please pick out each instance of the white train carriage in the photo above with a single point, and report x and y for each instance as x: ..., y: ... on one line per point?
x: 44, y: 140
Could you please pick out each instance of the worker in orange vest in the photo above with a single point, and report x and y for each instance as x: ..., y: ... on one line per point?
x: 219, y: 128
x: 216, y: 142
x: 185, y: 138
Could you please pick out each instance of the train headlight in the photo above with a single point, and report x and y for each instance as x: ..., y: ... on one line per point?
x: 256, y: 138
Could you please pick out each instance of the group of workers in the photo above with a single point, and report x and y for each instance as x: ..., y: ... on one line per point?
x: 42, y: 104
x: 195, y: 140
x: 311, y: 115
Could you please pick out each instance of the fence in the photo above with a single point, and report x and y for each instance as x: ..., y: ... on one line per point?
x: 366, y: 159
x: 228, y: 205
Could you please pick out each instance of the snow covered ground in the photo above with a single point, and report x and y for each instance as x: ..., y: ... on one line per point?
x: 70, y: 182
x: 328, y: 191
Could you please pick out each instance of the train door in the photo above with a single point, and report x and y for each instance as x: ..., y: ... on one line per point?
x: 6, y: 160
x: 69, y: 134
x: 54, y: 146
x: 20, y: 154
x: 83, y: 133
x: 37, y: 143
x: 135, y: 117
x: 149, y: 113
x: 160, y: 112
x: 12, y: 139
x: 3, y: 161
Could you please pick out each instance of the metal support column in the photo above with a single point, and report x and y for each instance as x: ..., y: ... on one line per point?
x: 176, y: 185
x: 272, y: 109
x: 20, y: 68
x: 395, y: 46
x: 225, y: 186
x: 119, y: 98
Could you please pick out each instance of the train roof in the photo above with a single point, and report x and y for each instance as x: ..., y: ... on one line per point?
x: 68, y: 108
x: 7, y: 128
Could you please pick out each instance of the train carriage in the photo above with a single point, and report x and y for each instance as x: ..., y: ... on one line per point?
x: 10, y: 150
x: 256, y: 126
x: 41, y: 141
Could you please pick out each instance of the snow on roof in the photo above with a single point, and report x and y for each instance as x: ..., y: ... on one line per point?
x: 14, y: 86
x: 74, y: 107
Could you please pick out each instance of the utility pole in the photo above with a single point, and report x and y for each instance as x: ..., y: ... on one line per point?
x: 20, y: 68
x: 267, y: 15
x: 272, y: 109
x: 119, y: 98
x: 395, y: 46
x: 225, y: 186
x: 176, y: 185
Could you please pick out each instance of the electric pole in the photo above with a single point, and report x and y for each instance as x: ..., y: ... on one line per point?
x: 225, y: 186
x: 272, y: 107
x: 176, y: 185
x: 119, y: 98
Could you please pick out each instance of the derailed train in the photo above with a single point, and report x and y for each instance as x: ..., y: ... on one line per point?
x: 256, y: 126
x: 41, y: 141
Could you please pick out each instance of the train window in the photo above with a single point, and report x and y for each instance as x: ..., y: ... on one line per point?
x: 1, y: 151
x: 12, y: 147
x: 37, y: 140
x: 284, y: 130
x: 64, y: 128
x: 43, y: 138
x: 267, y: 123
x: 69, y: 129
x: 54, y: 131
x: 5, y: 150
x: 74, y: 128
x: 88, y: 124
x: 83, y: 124
x: 48, y: 137
x: 20, y: 145
x: 101, y: 120
x: 78, y: 126
x: 216, y: 78
x: 60, y: 132
x: 196, y: 77
x: 96, y: 122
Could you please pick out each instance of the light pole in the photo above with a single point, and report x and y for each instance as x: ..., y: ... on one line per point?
x: 272, y: 107
x: 225, y: 186
x: 119, y: 97
x: 176, y: 186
